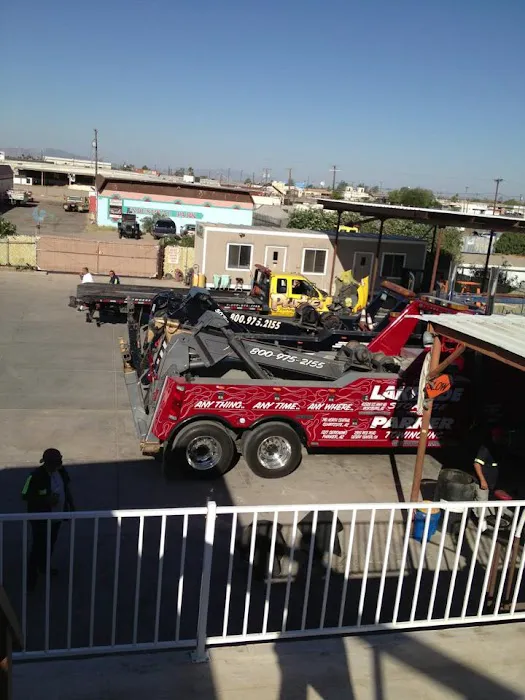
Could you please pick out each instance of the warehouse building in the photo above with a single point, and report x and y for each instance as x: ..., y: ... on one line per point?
x: 6, y: 180
x: 183, y: 202
x: 234, y: 251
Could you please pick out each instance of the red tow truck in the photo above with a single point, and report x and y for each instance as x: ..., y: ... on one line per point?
x: 206, y: 395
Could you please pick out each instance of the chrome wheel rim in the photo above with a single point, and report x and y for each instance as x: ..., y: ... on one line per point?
x: 203, y: 453
x: 274, y: 452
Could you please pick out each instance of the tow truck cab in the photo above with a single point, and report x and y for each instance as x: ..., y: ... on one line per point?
x: 284, y: 292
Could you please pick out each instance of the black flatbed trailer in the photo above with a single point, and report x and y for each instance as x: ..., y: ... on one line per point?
x: 114, y: 298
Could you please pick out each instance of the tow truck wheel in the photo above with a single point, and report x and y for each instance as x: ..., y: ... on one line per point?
x: 204, y: 450
x: 272, y: 450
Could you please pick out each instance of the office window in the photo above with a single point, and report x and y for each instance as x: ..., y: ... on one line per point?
x: 239, y: 257
x: 314, y: 261
x: 393, y: 264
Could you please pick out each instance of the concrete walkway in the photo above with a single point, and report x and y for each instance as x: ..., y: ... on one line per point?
x: 482, y: 662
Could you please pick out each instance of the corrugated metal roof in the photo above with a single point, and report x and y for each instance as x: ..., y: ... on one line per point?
x: 431, y: 217
x: 504, y: 334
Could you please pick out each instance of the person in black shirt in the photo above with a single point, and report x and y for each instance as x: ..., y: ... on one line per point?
x: 486, y: 464
x: 46, y: 490
x: 113, y: 277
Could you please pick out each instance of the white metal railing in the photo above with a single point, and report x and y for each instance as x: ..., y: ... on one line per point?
x: 193, y: 577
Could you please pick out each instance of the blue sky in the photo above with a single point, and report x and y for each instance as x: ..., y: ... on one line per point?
x: 403, y: 93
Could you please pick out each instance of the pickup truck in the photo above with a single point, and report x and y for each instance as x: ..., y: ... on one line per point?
x: 17, y: 197
x: 76, y: 203
x: 128, y: 227
x: 164, y: 228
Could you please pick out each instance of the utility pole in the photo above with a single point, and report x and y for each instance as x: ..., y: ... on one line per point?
x: 290, y: 177
x: 253, y: 178
x: 334, y: 170
x: 95, y: 146
x: 241, y: 175
x: 466, y: 200
x: 228, y: 176
x: 497, y: 180
x: 266, y: 172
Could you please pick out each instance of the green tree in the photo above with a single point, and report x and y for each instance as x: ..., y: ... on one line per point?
x: 6, y: 228
x: 510, y: 244
x: 190, y: 171
x: 248, y: 181
x: 187, y: 242
x: 148, y: 222
x: 413, y: 197
x: 455, y: 198
x: 512, y: 202
x: 180, y: 172
x: 144, y: 167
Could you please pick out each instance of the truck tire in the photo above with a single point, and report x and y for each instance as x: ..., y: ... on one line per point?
x: 203, y: 450
x: 272, y: 450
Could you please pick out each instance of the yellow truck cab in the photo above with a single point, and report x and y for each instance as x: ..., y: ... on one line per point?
x: 284, y: 292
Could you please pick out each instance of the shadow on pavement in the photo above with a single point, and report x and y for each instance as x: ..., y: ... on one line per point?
x: 151, y: 588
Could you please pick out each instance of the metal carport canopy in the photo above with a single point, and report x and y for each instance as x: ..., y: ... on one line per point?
x: 431, y: 217
x: 499, y: 337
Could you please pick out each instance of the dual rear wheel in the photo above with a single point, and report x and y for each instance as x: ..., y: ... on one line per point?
x: 207, y: 450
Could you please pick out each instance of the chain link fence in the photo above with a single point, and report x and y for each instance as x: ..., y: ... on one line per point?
x: 18, y: 251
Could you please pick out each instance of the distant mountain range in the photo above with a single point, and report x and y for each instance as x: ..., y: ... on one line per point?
x: 39, y: 152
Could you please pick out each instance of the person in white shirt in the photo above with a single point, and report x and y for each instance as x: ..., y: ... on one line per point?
x: 86, y: 276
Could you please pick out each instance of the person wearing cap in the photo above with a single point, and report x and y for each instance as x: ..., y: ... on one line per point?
x: 46, y: 490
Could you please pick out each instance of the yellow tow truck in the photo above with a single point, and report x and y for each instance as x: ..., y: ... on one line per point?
x: 286, y: 292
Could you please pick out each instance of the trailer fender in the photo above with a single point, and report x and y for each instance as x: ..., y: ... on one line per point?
x: 201, y: 417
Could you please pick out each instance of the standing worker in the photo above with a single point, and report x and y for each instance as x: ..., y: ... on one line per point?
x: 86, y: 276
x: 113, y: 277
x: 486, y: 466
x: 46, y: 490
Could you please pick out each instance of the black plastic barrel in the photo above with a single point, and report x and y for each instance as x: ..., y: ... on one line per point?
x: 454, y: 485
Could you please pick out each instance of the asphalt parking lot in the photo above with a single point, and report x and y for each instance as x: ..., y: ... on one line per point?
x: 61, y: 385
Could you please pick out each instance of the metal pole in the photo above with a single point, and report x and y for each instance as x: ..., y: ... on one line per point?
x: 497, y: 181
x: 200, y: 655
x: 487, y: 261
x: 433, y: 239
x: 334, y: 255
x: 95, y: 146
x: 436, y: 261
x: 425, y: 424
x: 375, y: 266
x: 334, y: 170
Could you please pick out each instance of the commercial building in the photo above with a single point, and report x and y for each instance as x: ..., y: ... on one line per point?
x: 6, y: 179
x: 183, y: 202
x: 235, y: 250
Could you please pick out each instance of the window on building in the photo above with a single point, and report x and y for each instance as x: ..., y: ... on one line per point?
x: 239, y: 257
x: 275, y: 256
x: 314, y: 261
x: 393, y: 264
